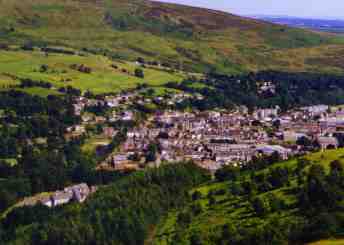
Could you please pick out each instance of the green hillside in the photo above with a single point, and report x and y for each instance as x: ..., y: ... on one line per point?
x: 188, y: 38
x: 16, y: 65
x: 250, y: 209
x: 291, y: 202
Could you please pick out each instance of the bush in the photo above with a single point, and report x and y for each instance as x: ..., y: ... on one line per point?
x: 28, y: 46
x: 57, y: 50
x: 81, y: 68
x: 43, y: 68
x: 139, y: 73
x: 141, y: 60
x: 196, y: 209
x: 260, y: 206
x: 227, y: 173
x: 3, y: 46
x: 196, y: 195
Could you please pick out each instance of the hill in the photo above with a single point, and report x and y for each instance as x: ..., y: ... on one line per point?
x: 260, y: 207
x: 295, y: 201
x: 187, y: 38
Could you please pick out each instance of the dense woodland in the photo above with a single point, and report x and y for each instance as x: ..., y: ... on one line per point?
x: 121, y: 213
x: 292, y: 89
x: 34, y: 155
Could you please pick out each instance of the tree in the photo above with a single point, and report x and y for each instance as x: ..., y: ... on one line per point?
x: 317, y: 192
x: 237, y: 189
x: 197, y: 209
x: 250, y: 187
x: 44, y: 68
x: 279, y: 177
x: 276, y: 204
x: 302, y: 163
x: 336, y: 176
x: 304, y: 141
x: 151, y: 152
x: 227, y: 173
x: 260, y: 206
x: 141, y: 60
x: 196, y: 195
x: 229, y: 234
x: 195, y: 239
x: 276, y: 124
x: 28, y: 46
x: 184, y: 218
x: 139, y: 73
x: 212, y: 200
x: 7, y: 198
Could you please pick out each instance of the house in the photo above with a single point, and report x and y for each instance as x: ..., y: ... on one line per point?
x: 112, y: 101
x: 267, y: 87
x: 265, y: 113
x: 119, y: 159
x: 292, y: 136
x: 60, y: 198
x: 86, y: 118
x: 77, y: 193
x: 109, y: 132
x: 316, y: 110
x: 340, y: 114
x: 100, y: 119
x: 127, y: 116
x: 327, y: 142
x: 270, y: 149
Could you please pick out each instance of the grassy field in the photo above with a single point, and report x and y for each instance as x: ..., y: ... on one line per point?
x: 103, y: 78
x: 329, y: 242
x: 324, y: 158
x: 236, y: 210
x: 91, y: 144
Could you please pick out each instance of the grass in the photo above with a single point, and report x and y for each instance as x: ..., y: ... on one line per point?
x: 329, y: 242
x: 236, y: 210
x: 11, y: 161
x: 323, y: 158
x: 103, y: 78
x: 91, y: 144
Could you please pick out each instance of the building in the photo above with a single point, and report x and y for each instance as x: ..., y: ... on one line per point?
x: 265, y: 113
x: 316, y: 110
x: 284, y: 153
x: 77, y: 193
x: 327, y: 142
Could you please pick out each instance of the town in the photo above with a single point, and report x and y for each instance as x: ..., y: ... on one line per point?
x: 211, y: 139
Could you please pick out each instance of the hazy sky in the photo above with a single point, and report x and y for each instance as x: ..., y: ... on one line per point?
x: 308, y: 8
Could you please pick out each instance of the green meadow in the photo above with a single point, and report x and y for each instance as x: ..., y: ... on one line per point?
x: 15, y: 65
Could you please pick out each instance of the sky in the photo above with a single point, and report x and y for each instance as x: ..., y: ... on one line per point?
x: 297, y: 8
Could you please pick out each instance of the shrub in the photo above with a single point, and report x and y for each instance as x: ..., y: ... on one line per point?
x: 260, y: 206
x: 139, y: 73
x: 196, y: 195
x: 28, y: 46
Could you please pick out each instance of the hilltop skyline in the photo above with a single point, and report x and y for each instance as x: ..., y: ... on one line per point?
x: 292, y: 8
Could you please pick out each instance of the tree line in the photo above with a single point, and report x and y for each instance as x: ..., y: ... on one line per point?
x: 290, y: 90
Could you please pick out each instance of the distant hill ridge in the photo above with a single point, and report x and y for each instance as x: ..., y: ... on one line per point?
x: 189, y: 38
